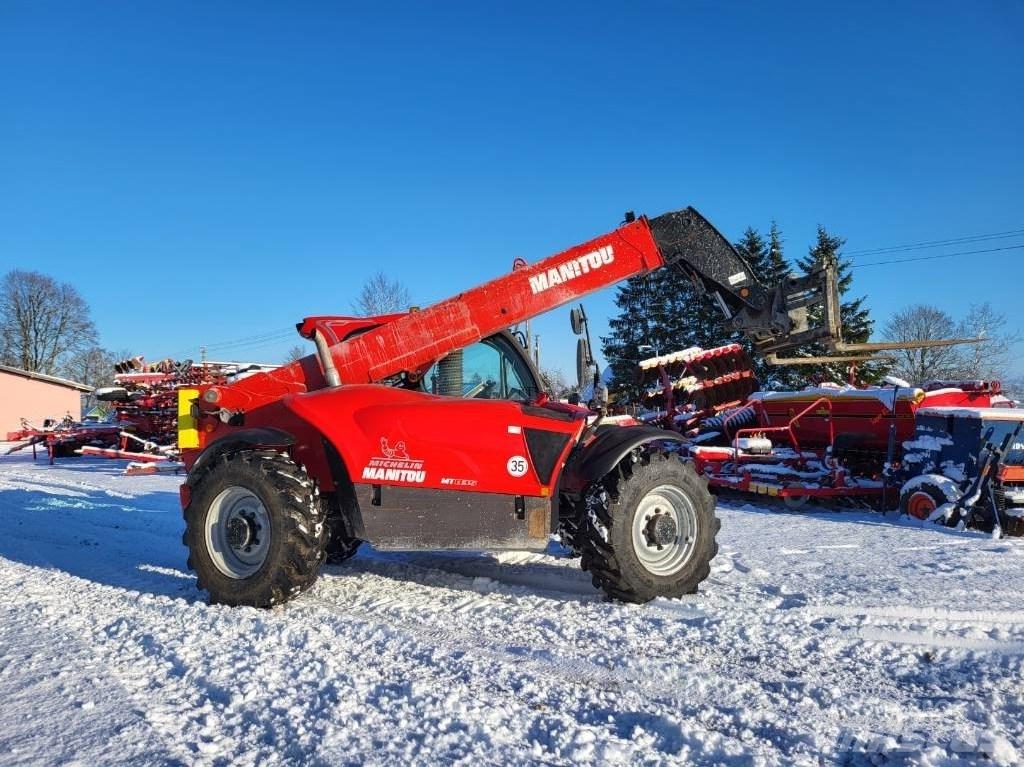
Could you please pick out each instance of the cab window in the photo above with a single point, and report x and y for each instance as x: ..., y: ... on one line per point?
x: 489, y: 369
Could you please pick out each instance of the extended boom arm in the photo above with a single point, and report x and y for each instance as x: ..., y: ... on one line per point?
x: 774, y: 319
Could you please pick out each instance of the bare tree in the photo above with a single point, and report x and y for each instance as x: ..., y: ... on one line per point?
x: 554, y: 382
x: 923, y: 323
x: 990, y: 359
x: 295, y: 353
x: 93, y: 367
x: 1013, y: 387
x: 42, y: 321
x: 381, y: 295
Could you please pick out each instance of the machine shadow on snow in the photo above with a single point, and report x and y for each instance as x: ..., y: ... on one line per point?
x: 135, y: 544
x: 476, y: 572
x: 126, y: 543
x: 848, y: 516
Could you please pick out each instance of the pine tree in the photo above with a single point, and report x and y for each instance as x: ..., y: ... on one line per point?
x: 754, y: 250
x: 771, y: 268
x: 777, y: 268
x: 659, y: 312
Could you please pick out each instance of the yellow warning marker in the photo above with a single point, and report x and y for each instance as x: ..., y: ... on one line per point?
x: 188, y: 427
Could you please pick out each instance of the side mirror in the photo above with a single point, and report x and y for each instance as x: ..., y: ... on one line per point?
x: 582, y: 363
x: 577, y: 318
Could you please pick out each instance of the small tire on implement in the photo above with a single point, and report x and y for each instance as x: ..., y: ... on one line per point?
x: 795, y: 502
x: 921, y: 501
x: 648, y: 529
x: 254, y: 528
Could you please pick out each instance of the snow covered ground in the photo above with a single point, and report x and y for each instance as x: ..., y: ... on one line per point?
x: 823, y: 637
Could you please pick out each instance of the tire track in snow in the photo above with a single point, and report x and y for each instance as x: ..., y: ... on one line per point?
x: 929, y: 639
x: 727, y: 684
x: 910, y: 613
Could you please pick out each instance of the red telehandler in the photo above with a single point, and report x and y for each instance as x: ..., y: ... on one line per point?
x: 430, y: 429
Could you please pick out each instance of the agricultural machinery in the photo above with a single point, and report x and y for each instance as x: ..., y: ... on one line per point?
x: 430, y: 429
x: 143, y: 427
x: 144, y: 398
x: 966, y: 465
x: 63, y: 437
x: 949, y: 450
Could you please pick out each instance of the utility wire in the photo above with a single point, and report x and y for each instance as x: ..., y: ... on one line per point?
x: 267, y: 337
x: 930, y: 258
x: 936, y: 243
x: 262, y: 339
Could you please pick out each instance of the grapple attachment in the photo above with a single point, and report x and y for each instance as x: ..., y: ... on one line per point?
x: 799, y: 311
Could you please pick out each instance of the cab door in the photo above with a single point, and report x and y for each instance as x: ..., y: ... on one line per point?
x: 482, y: 488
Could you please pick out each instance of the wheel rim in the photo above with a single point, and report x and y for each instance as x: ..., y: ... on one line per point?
x: 795, y: 501
x: 238, y: 532
x: 664, y: 530
x: 920, y: 505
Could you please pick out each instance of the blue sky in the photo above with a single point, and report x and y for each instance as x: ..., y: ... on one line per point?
x: 205, y: 172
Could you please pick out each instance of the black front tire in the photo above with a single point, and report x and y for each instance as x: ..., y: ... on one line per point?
x: 341, y: 544
x: 607, y: 528
x: 297, y: 535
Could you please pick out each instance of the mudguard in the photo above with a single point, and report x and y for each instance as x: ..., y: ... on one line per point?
x: 242, y: 439
x: 611, y: 444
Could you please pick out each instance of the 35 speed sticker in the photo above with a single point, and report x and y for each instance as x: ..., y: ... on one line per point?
x: 517, y: 466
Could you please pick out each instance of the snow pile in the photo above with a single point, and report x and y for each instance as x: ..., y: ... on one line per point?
x: 832, y: 638
x: 927, y: 443
x: 835, y: 392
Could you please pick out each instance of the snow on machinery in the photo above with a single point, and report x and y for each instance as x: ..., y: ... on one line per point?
x: 965, y: 465
x: 683, y: 387
x: 63, y: 437
x: 827, y: 442
x: 144, y: 398
x: 374, y: 438
x: 949, y: 450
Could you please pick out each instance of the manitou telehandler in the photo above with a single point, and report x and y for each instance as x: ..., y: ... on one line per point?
x: 430, y: 429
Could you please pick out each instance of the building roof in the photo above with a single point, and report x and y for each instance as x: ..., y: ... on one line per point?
x: 48, y: 379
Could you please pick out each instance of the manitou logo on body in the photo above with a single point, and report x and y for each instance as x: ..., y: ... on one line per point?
x: 572, y: 269
x: 380, y: 474
x: 394, y: 465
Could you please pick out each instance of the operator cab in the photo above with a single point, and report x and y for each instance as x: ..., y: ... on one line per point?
x: 496, y: 367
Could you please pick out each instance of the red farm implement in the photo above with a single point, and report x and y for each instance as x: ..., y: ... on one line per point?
x: 825, y: 443
x: 145, y: 401
x: 683, y: 387
x: 63, y: 438
x: 144, y: 429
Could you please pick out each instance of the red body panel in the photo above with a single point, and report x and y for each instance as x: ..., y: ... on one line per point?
x: 392, y: 436
x: 368, y: 350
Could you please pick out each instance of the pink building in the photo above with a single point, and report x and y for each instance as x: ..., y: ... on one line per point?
x: 36, y: 397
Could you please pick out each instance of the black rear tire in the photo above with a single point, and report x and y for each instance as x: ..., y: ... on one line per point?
x: 570, y: 527
x: 609, y: 524
x: 291, y: 509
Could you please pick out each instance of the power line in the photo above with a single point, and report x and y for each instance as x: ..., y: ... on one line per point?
x: 266, y: 337
x: 931, y: 258
x: 936, y: 243
x: 247, y: 339
x: 261, y: 340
